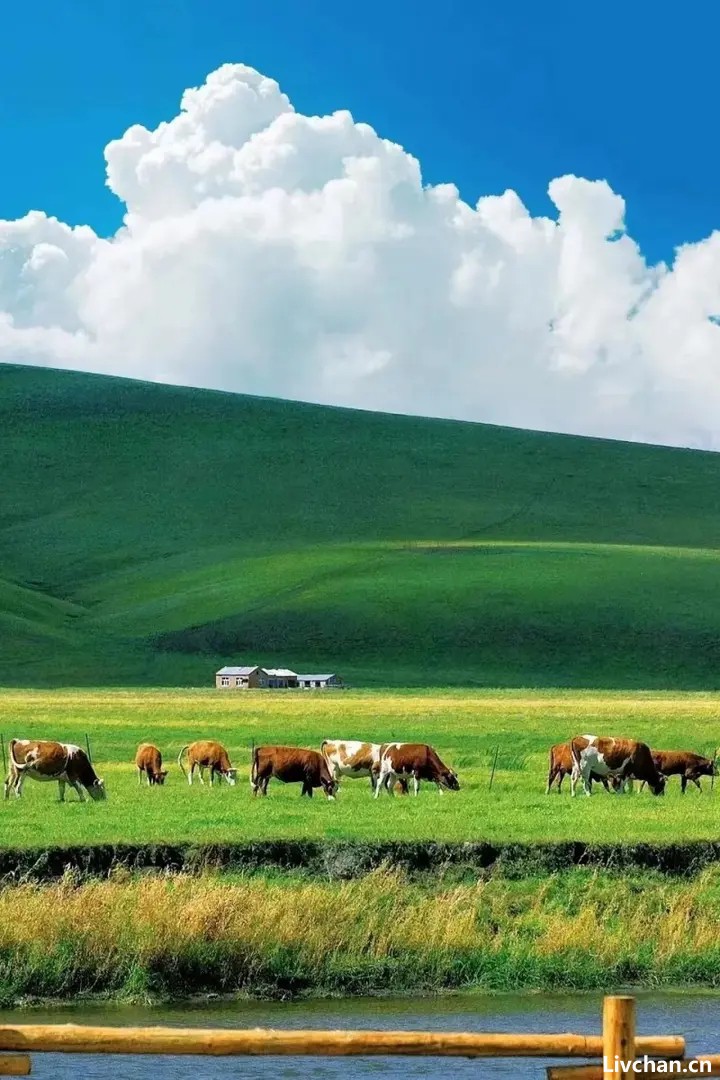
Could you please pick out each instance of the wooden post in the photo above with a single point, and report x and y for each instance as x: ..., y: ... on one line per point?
x: 618, y: 1034
x: 492, y: 774
x: 87, y: 744
x: 14, y: 1065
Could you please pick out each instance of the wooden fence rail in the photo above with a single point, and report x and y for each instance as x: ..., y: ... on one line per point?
x: 618, y: 1038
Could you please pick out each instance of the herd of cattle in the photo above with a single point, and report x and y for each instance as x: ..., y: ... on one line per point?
x: 620, y: 761
x: 389, y: 766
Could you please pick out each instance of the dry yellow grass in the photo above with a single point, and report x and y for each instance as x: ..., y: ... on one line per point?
x: 162, y: 935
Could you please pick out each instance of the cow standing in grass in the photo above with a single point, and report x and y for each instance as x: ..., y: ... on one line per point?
x: 148, y: 762
x: 207, y: 754
x: 355, y: 760
x: 416, y: 760
x: 45, y: 760
x: 291, y: 765
x: 685, y: 764
x: 618, y: 759
x: 561, y: 764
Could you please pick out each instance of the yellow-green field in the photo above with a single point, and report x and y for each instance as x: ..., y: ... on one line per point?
x: 465, y: 727
x: 169, y: 937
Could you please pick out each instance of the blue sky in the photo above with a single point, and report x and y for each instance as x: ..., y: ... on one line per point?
x: 488, y: 95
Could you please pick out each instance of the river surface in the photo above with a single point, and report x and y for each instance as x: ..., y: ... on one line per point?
x: 694, y: 1015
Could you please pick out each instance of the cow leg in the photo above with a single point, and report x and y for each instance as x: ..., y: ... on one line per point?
x: 306, y: 789
x: 696, y: 782
x: 190, y: 774
x: 587, y: 780
x: 78, y: 788
x: 683, y: 783
x: 574, y: 777
x: 61, y: 790
x: 416, y: 784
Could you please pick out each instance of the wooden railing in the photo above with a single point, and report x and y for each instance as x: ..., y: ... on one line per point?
x: 617, y: 1041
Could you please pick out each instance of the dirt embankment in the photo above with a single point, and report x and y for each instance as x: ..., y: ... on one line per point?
x: 346, y: 860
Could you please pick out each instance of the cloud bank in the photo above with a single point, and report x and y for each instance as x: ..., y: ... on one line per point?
x: 302, y: 257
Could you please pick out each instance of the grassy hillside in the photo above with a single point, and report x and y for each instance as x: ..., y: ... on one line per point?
x: 150, y: 533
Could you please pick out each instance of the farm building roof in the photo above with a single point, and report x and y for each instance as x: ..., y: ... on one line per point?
x: 237, y: 670
x: 318, y: 678
x: 281, y: 672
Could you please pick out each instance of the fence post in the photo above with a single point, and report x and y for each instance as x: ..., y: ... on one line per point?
x: 492, y: 774
x: 618, y: 1034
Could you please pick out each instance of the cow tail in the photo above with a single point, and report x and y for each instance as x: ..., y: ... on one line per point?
x: 180, y: 757
x: 14, y: 762
x: 575, y: 754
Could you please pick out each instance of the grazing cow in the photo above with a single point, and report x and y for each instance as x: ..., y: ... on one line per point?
x: 619, y: 759
x: 561, y: 762
x: 413, y: 759
x: 42, y: 759
x: 291, y: 765
x: 354, y: 760
x: 685, y: 764
x: 148, y: 762
x: 207, y: 754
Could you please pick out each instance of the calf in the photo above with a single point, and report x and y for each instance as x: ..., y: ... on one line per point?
x: 42, y: 759
x: 619, y: 759
x: 413, y: 759
x: 685, y: 764
x: 291, y: 765
x: 561, y: 763
x: 148, y: 762
x: 354, y: 760
x: 207, y: 754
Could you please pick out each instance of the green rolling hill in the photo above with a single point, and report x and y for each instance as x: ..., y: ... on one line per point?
x: 150, y: 533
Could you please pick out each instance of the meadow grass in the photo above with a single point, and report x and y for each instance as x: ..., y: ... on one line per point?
x: 466, y: 728
x: 158, y: 937
x: 149, y: 534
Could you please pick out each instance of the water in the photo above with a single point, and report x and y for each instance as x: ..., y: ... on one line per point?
x: 696, y: 1016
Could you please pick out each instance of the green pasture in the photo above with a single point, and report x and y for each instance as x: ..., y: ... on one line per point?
x: 466, y: 727
x: 150, y: 534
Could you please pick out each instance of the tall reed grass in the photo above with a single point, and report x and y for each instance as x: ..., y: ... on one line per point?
x: 163, y: 937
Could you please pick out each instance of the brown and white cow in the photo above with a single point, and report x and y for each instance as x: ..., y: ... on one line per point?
x: 207, y: 754
x: 619, y: 759
x: 148, y: 762
x: 685, y: 764
x: 561, y: 763
x: 354, y: 760
x: 291, y: 765
x: 416, y: 760
x: 45, y: 760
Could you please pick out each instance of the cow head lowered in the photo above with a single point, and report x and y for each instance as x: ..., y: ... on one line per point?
x: 449, y: 780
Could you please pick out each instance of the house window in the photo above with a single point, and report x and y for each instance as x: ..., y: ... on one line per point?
x: 224, y: 680
x: 239, y: 682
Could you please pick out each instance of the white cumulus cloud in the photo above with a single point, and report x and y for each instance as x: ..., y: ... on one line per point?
x: 303, y: 257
